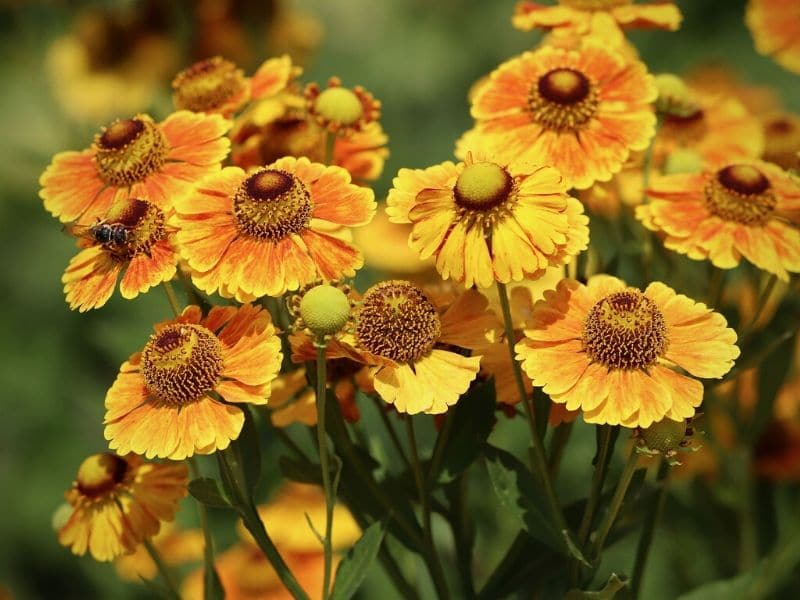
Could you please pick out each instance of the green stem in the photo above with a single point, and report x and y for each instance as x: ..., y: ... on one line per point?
x: 649, y: 527
x: 438, y: 451
x: 538, y: 459
x: 463, y: 532
x: 209, y: 568
x: 172, y: 298
x: 330, y: 142
x: 616, y: 503
x: 287, y: 441
x: 166, y: 574
x: 437, y: 572
x: 748, y: 543
x: 715, y: 287
x: 558, y: 444
x: 380, y: 406
x: 322, y: 443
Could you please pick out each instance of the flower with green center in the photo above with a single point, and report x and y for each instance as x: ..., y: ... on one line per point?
x: 324, y: 309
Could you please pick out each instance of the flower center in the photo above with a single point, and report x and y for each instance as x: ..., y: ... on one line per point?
x: 482, y: 186
x: 207, y: 85
x: 625, y: 330
x: 783, y: 141
x: 272, y: 204
x: 129, y: 150
x: 100, y: 473
x: 131, y: 227
x: 181, y: 363
x: 292, y: 136
x: 740, y: 193
x: 396, y: 320
x: 562, y: 99
x: 339, y: 105
x: 595, y: 4
x: 686, y: 129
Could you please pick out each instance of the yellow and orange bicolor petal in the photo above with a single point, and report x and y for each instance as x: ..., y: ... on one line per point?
x: 164, y: 401
x: 775, y: 26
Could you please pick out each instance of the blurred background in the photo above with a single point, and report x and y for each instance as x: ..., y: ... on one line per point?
x: 69, y: 67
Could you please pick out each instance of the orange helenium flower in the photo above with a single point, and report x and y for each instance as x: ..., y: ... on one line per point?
x: 487, y: 222
x: 580, y: 111
x: 133, y: 240
x: 118, y: 502
x: 341, y: 110
x: 611, y: 351
x: 602, y: 18
x: 748, y: 209
x: 410, y: 339
x: 216, y: 85
x: 136, y: 158
x: 167, y: 399
x: 775, y: 26
x: 276, y: 229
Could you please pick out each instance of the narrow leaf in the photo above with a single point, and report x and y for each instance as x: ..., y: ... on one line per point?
x: 609, y: 591
x: 353, y: 568
x: 207, y: 491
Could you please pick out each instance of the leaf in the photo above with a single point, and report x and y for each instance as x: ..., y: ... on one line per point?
x: 250, y: 448
x: 212, y: 586
x: 301, y: 471
x: 472, y: 421
x: 207, y: 491
x: 614, y: 585
x: 354, y: 566
x: 517, y: 491
x: 158, y: 589
x: 772, y: 373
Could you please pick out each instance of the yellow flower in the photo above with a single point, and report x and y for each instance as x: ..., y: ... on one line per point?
x: 118, y: 502
x: 775, y: 25
x: 484, y: 221
x: 614, y: 352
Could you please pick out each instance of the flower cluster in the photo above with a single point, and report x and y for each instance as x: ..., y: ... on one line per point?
x: 584, y: 181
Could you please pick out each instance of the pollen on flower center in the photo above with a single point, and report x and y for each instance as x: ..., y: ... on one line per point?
x: 482, y: 186
x: 396, y: 320
x: 100, y: 473
x: 129, y: 150
x: 625, y: 330
x: 272, y: 204
x: 131, y: 227
x: 740, y: 193
x: 207, y: 85
x: 562, y: 99
x: 181, y: 362
x: 339, y: 105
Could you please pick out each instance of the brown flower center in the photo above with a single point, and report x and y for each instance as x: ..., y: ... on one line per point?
x: 272, y: 204
x: 398, y: 321
x: 129, y: 150
x: 100, y: 473
x: 292, y: 136
x: 595, y: 4
x: 783, y: 141
x: 563, y: 100
x: 181, y: 363
x: 740, y: 193
x: 207, y: 85
x: 685, y: 129
x: 625, y: 330
x: 131, y: 227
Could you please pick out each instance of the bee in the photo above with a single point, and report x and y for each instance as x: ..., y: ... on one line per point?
x: 113, y: 236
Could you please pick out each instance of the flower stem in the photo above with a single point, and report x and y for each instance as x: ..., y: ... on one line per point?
x: 379, y: 405
x: 538, y: 459
x: 616, y: 503
x: 715, y: 287
x: 330, y: 142
x: 210, y: 571
x: 649, y: 527
x: 322, y: 442
x: 438, y: 451
x: 166, y: 574
x: 437, y: 573
x: 763, y: 297
x: 172, y: 298
x: 558, y: 444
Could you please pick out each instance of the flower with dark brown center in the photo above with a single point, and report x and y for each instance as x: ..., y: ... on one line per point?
x: 181, y: 363
x: 129, y: 150
x: 272, y: 204
x: 396, y: 320
x: 740, y: 193
x: 562, y: 99
x: 625, y: 330
x: 131, y: 227
x: 208, y: 86
x: 100, y: 473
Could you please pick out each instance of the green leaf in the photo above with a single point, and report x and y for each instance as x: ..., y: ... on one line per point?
x: 473, y: 418
x: 301, y: 471
x: 212, y: 586
x: 158, y: 589
x: 353, y: 568
x: 614, y: 585
x: 518, y: 493
x: 772, y: 373
x: 250, y: 448
x: 207, y: 491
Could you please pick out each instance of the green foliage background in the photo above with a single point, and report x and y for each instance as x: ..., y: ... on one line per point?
x: 420, y: 58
